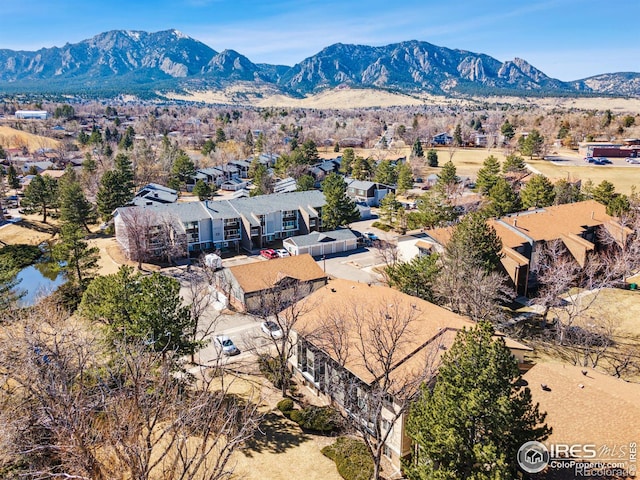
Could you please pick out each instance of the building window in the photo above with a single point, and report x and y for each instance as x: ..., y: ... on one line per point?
x: 289, y: 225
x: 232, y: 234
x: 192, y: 231
x: 386, y: 425
x: 386, y: 451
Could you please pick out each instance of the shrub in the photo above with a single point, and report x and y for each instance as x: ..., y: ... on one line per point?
x: 270, y: 368
x: 285, y: 405
x: 319, y: 419
x: 295, y: 415
x: 382, y: 226
x: 351, y: 457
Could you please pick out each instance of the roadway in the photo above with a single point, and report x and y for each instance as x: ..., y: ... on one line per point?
x: 244, y: 330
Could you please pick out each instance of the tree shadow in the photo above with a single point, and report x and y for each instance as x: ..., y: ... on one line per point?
x: 276, y: 434
x: 38, y: 226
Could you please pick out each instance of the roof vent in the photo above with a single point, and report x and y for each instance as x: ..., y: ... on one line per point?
x: 333, y: 290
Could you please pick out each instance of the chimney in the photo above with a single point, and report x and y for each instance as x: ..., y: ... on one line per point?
x: 592, y: 214
x: 515, y: 222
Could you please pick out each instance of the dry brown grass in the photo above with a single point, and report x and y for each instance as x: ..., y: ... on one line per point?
x: 12, y: 138
x: 13, y: 234
x: 344, y: 98
x: 622, y: 177
x: 279, y: 450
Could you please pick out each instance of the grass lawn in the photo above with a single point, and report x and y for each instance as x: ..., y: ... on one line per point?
x: 279, y: 450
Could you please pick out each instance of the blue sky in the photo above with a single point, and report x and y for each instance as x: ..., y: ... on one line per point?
x: 566, y: 39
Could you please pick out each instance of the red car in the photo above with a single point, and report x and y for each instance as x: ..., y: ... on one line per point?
x: 269, y: 253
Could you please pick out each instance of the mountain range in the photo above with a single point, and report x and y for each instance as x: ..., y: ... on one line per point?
x: 137, y: 62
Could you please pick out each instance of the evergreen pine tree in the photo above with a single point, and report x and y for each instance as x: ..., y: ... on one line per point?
x: 504, y: 199
x: 404, y: 177
x: 432, y: 158
x: 476, y: 241
x: 74, y: 206
x: 339, y: 209
x: 41, y: 195
x: 488, y: 175
x: 417, y: 149
x: 476, y: 417
x: 537, y: 193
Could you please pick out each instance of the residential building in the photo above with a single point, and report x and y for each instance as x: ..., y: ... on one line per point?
x: 284, y: 185
x: 367, y: 192
x: 585, y: 406
x: 154, y: 193
x: 524, y: 234
x: 334, y: 368
x: 247, y: 223
x: 263, y: 285
x: 414, y: 244
x: 442, y: 139
x: 243, y: 167
x: 234, y: 185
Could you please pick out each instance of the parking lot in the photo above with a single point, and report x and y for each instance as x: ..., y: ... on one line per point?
x: 575, y: 161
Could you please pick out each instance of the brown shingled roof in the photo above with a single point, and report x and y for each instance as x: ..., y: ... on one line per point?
x: 256, y: 276
x: 441, y: 235
x: 432, y: 329
x: 592, y: 408
x: 553, y: 222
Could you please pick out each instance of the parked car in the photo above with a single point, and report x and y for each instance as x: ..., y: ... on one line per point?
x: 269, y: 253
x: 226, y: 345
x: 425, y: 187
x: 272, y: 329
x: 372, y: 237
x: 282, y: 252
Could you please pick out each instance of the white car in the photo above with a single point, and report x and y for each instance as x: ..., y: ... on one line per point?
x: 226, y: 345
x: 272, y: 329
x: 282, y: 252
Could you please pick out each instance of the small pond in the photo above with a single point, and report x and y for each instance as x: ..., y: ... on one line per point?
x: 37, y: 281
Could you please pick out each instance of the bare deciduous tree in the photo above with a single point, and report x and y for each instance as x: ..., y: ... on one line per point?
x: 283, y: 306
x: 70, y: 410
x: 469, y: 290
x: 138, y: 224
x: 379, y: 343
x: 567, y: 288
x: 200, y: 300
